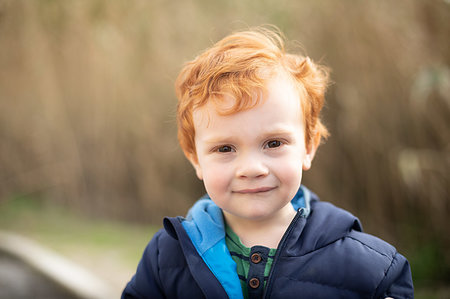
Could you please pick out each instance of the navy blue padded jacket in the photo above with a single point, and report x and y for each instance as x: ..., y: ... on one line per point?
x: 323, y: 254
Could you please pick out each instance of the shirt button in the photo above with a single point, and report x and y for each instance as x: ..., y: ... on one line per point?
x: 256, y: 258
x: 254, y: 283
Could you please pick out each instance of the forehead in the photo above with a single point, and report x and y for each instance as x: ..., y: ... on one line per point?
x: 280, y: 99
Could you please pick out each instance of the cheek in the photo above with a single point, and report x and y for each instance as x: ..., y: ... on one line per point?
x: 216, y: 179
x: 289, y: 172
x: 293, y: 174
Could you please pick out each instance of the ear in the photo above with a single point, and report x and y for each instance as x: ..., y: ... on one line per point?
x: 196, y: 165
x: 311, y: 151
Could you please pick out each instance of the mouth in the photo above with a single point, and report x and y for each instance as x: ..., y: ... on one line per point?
x: 255, y: 190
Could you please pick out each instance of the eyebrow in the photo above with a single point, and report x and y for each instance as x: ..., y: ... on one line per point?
x: 277, y: 132
x: 268, y: 134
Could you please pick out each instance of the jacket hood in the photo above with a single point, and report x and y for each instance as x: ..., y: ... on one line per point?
x: 326, y: 224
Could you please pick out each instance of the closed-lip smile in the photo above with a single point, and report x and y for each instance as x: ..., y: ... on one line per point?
x: 254, y: 190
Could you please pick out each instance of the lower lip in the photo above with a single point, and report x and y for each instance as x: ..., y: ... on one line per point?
x: 255, y: 191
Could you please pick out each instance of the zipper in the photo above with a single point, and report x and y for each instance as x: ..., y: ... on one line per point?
x: 300, y: 214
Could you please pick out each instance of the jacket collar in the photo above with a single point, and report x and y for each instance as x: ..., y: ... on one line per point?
x: 326, y: 224
x: 205, y: 227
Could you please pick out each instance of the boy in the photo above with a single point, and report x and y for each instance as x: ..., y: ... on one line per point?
x: 248, y: 121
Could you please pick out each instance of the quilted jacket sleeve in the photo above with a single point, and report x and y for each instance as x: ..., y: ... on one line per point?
x: 397, y: 282
x: 146, y: 282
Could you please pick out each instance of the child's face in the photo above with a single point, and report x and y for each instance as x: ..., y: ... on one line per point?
x: 251, y: 161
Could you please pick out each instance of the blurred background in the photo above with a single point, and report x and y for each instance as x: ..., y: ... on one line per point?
x: 87, y: 118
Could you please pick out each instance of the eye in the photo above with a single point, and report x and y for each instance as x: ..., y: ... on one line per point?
x: 224, y: 149
x: 273, y: 143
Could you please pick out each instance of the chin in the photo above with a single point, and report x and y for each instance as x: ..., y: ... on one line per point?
x: 257, y: 216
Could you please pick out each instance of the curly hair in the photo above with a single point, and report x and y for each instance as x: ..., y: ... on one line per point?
x: 239, y: 65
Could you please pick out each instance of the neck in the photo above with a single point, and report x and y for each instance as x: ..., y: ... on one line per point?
x: 265, y: 232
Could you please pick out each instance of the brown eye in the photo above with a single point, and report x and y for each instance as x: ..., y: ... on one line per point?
x: 225, y: 149
x: 273, y: 143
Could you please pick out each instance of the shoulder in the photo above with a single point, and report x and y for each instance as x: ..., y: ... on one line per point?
x: 342, y: 232
x: 378, y: 260
x: 366, y: 242
x: 161, y: 253
x: 163, y: 271
x: 366, y: 254
x: 165, y: 251
x: 343, y: 256
x: 339, y: 224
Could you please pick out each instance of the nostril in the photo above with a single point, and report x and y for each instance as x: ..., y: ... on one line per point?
x: 253, y: 171
x: 251, y: 165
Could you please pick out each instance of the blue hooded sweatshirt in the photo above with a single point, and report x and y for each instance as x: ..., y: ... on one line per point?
x: 323, y: 254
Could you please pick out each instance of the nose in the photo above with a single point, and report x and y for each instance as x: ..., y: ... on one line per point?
x: 251, y: 166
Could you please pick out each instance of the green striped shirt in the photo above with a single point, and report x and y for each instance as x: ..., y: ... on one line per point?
x: 257, y: 259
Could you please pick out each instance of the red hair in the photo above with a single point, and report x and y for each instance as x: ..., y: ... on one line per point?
x: 239, y: 65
